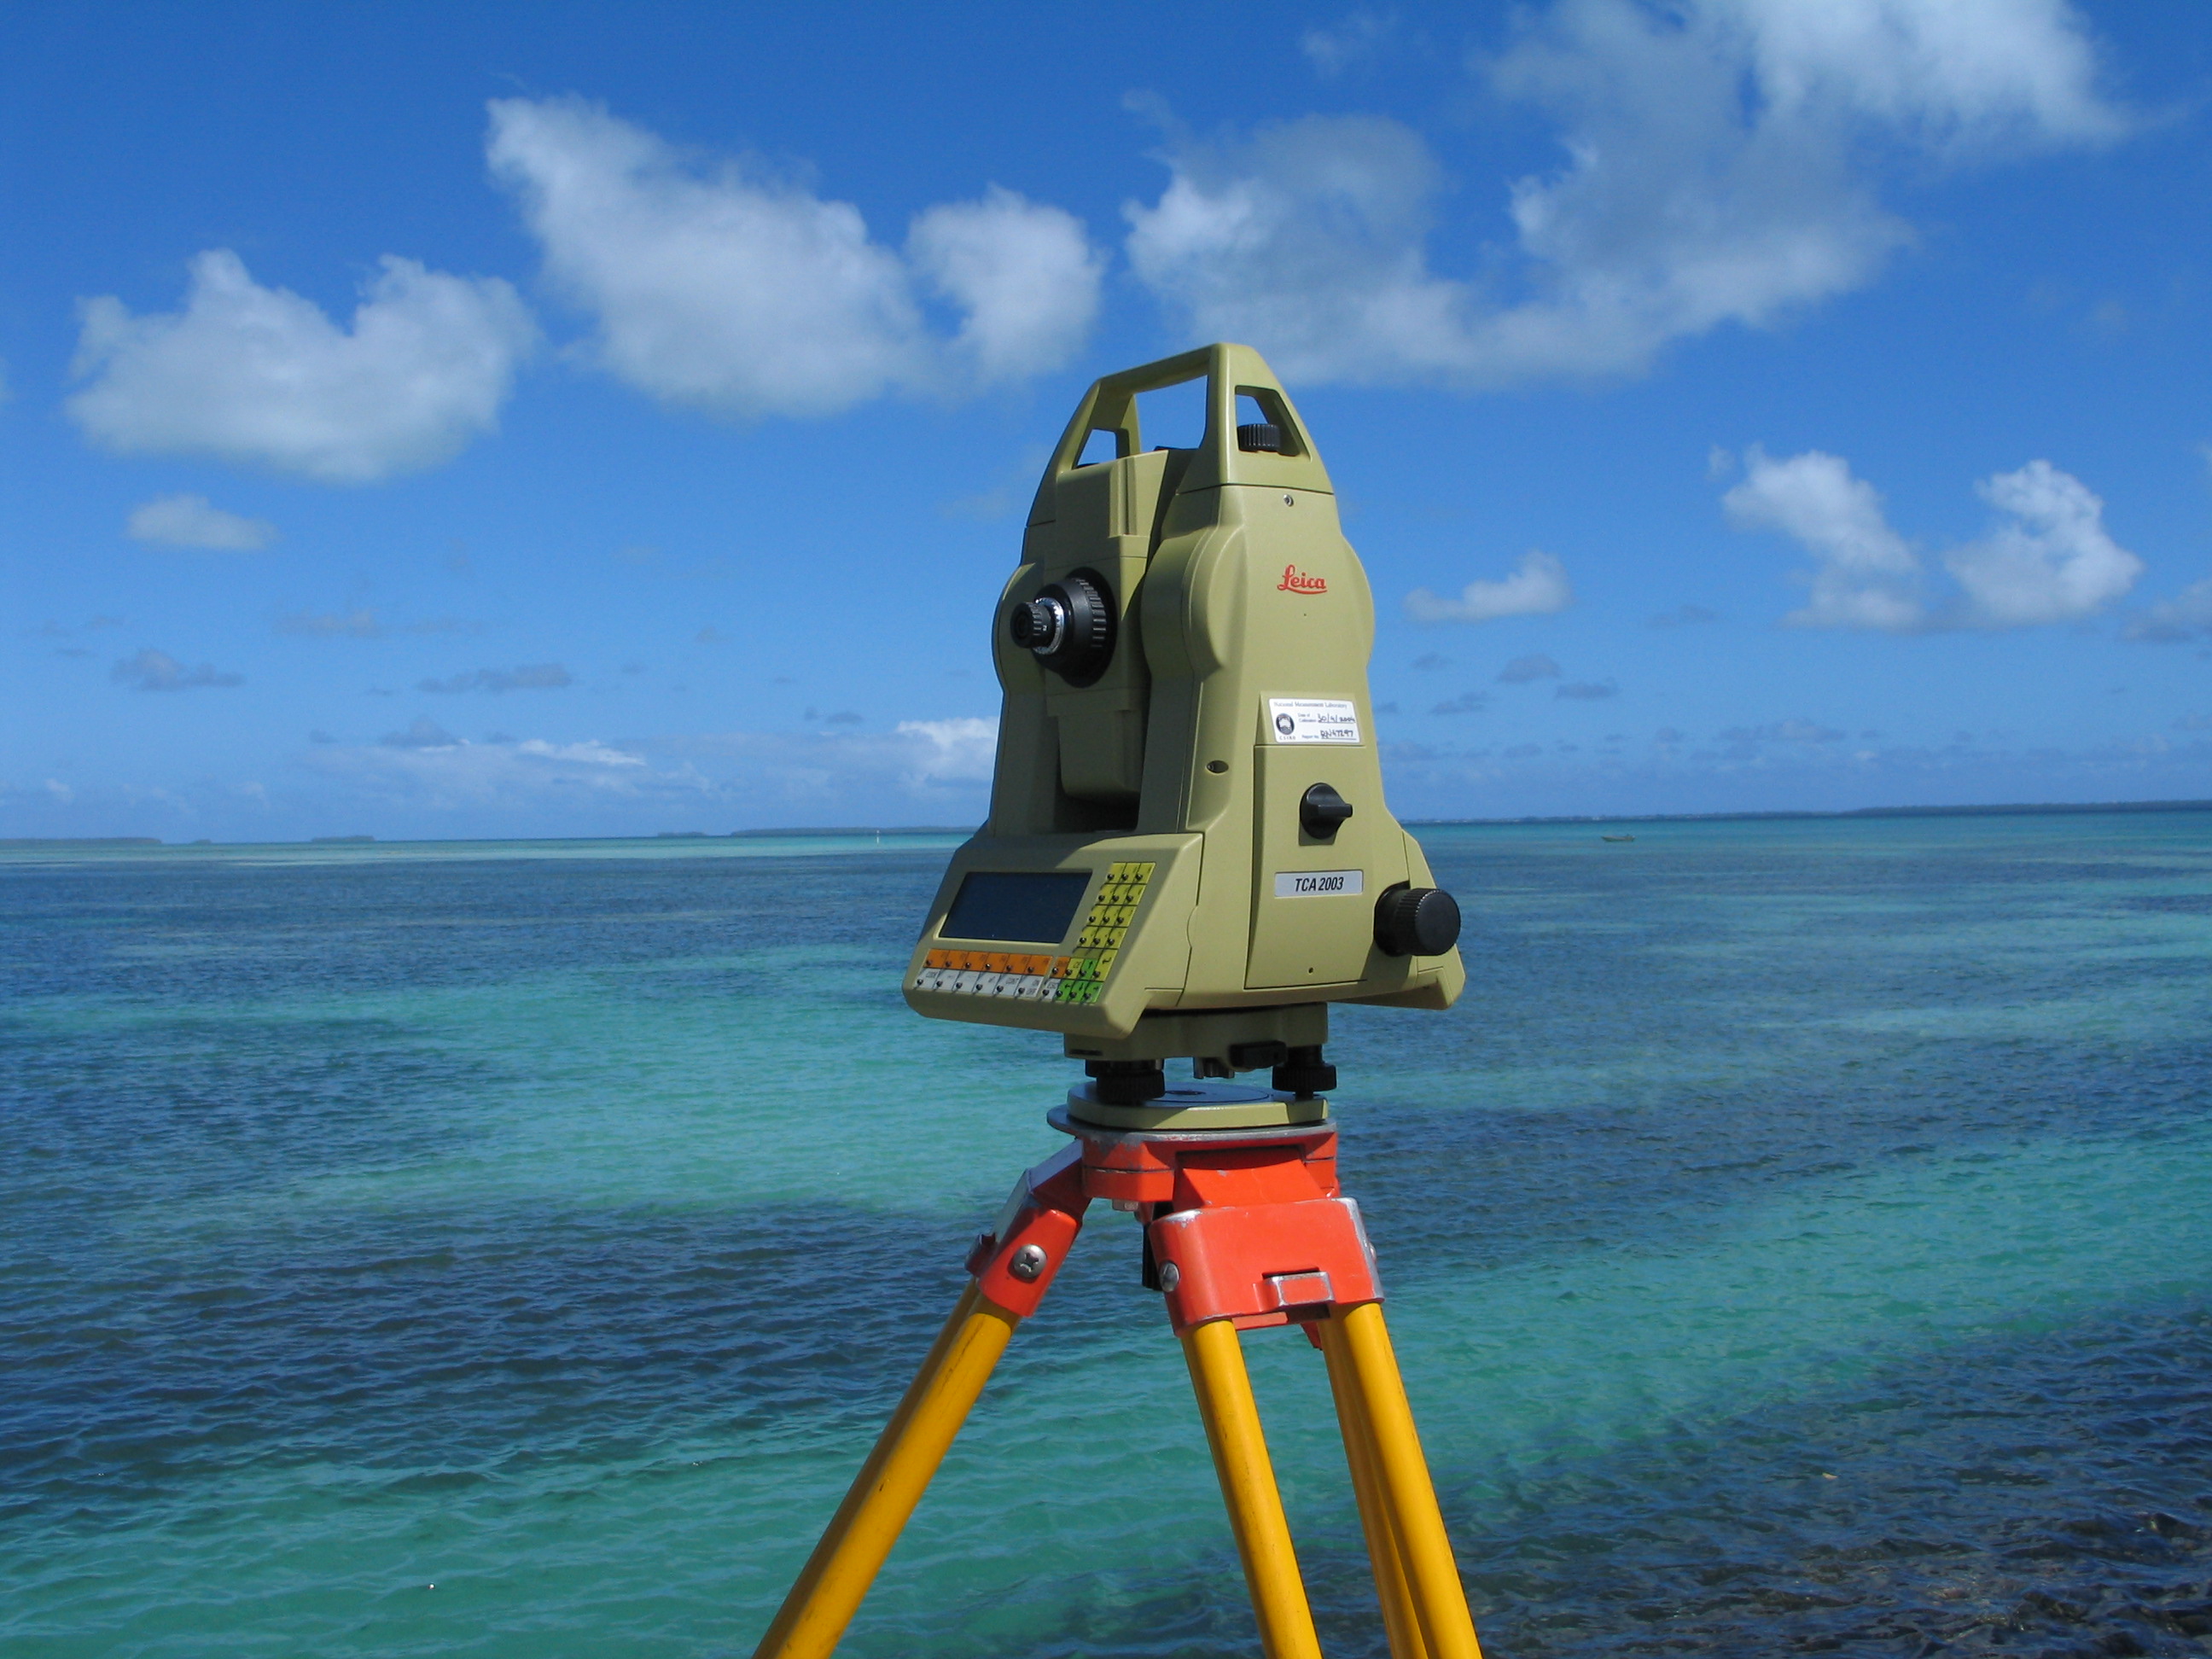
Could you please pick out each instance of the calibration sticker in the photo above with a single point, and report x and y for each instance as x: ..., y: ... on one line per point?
x: 1318, y: 884
x: 1313, y: 720
x: 1070, y: 979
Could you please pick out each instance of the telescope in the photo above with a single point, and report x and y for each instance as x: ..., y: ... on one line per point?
x: 1187, y: 855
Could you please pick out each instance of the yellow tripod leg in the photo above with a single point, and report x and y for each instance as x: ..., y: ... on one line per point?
x: 1248, y: 1487
x: 1379, y: 1396
x: 1401, y: 1623
x: 891, y: 1483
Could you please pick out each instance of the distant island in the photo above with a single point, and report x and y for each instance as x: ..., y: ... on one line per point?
x: 80, y: 840
x: 2010, y: 809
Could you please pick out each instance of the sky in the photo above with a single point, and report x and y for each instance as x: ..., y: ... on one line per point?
x: 577, y: 420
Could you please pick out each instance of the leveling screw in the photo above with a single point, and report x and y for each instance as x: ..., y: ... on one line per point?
x: 1026, y: 1263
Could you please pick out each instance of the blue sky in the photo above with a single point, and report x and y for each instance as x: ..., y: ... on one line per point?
x: 580, y: 420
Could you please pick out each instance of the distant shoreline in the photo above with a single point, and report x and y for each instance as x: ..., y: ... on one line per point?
x: 2025, y: 808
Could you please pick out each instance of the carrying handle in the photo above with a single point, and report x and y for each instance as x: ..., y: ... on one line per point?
x: 1230, y: 371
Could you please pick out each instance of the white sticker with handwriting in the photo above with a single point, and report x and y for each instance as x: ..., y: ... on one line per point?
x: 1313, y: 720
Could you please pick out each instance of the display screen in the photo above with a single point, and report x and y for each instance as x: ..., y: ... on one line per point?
x: 1033, y: 909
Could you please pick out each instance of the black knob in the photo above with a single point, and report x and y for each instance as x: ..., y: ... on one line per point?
x: 1126, y: 1082
x: 1416, y: 921
x: 1321, y: 810
x: 1261, y: 435
x: 1304, y: 1074
x: 1070, y: 625
x: 1037, y: 624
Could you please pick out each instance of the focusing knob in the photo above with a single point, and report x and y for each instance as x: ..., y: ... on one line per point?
x: 1070, y: 626
x: 1416, y: 921
x: 1321, y: 810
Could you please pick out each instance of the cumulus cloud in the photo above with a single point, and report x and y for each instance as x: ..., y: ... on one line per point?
x: 262, y: 377
x: 1722, y: 160
x: 1586, y: 691
x: 2185, y: 616
x: 1023, y: 274
x: 1468, y: 703
x: 950, y: 751
x: 1537, y: 587
x: 726, y: 288
x: 2049, y: 559
x: 157, y: 671
x: 1684, y: 615
x: 1521, y: 670
x: 1867, y: 576
x: 527, y: 677
x: 2053, y: 562
x: 190, y: 521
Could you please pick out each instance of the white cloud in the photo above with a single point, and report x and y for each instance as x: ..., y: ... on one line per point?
x: 157, y: 671
x: 1867, y: 577
x: 951, y: 751
x: 1356, y: 43
x: 729, y: 290
x: 2053, y: 562
x: 2050, y: 561
x: 190, y: 521
x: 261, y: 376
x: 2185, y: 615
x: 923, y: 771
x: 1721, y: 163
x: 1024, y: 274
x: 1537, y: 588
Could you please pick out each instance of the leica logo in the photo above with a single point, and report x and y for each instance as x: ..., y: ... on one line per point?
x: 1294, y: 582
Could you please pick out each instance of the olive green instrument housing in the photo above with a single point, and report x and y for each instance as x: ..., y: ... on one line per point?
x: 1155, y: 878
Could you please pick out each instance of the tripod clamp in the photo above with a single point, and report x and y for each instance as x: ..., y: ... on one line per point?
x: 1244, y: 1224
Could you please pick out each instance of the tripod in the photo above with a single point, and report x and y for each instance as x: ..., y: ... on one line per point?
x: 1243, y: 1228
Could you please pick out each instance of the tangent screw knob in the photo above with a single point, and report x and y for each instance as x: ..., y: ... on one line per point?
x: 1026, y: 1263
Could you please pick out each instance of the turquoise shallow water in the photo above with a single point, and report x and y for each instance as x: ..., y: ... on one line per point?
x: 1798, y: 1239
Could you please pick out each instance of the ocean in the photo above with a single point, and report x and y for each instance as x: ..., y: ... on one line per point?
x: 1799, y: 1238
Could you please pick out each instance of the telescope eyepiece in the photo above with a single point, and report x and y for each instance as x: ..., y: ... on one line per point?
x: 1038, y: 625
x: 1070, y: 626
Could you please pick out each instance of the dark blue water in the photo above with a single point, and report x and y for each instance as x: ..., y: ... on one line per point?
x: 1798, y: 1240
